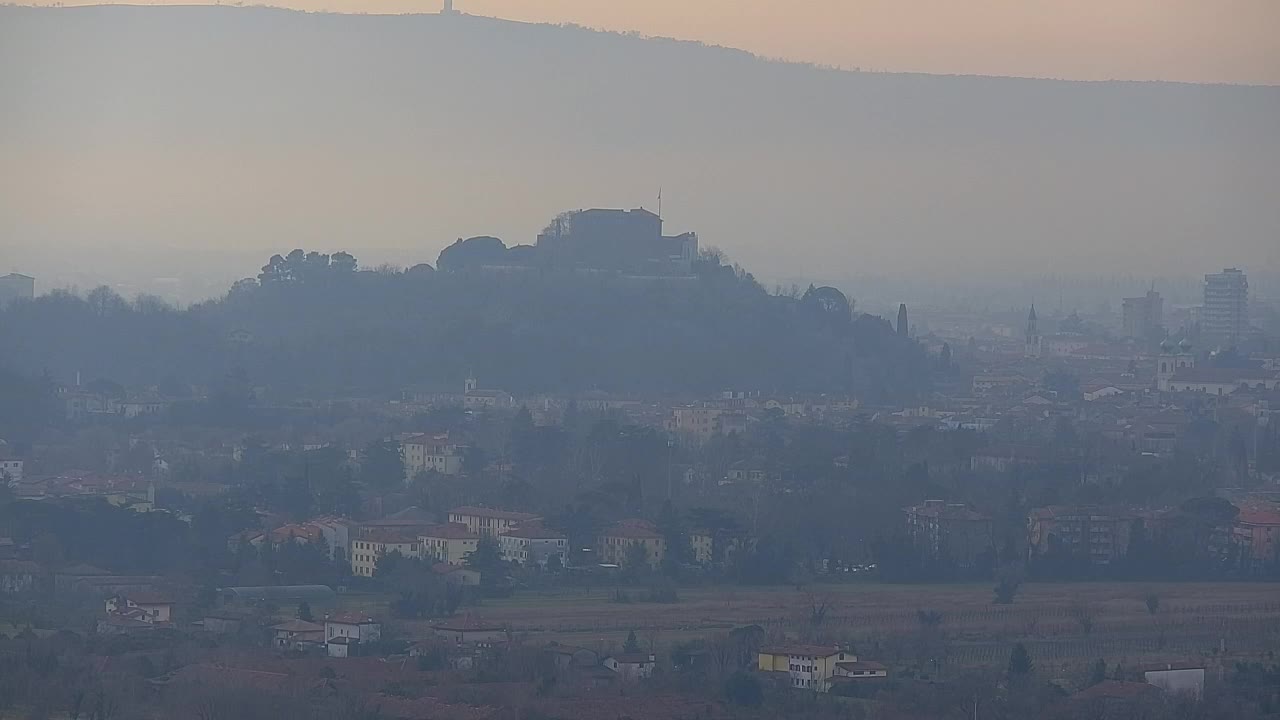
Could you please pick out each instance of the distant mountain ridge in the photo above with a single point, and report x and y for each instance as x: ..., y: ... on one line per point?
x: 250, y: 129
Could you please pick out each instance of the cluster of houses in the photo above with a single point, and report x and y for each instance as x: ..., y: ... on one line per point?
x: 955, y: 532
x: 129, y: 491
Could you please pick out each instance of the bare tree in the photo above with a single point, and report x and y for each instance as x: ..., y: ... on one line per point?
x: 1082, y: 613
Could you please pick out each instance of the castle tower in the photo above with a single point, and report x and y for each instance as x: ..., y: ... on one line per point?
x: 1034, y: 347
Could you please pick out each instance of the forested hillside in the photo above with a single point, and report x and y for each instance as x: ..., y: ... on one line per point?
x: 327, y: 329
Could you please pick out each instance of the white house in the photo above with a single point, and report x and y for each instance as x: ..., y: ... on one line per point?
x: 149, y: 608
x: 12, y: 468
x: 1177, y: 680
x: 532, y: 545
x: 347, y: 629
x: 631, y: 666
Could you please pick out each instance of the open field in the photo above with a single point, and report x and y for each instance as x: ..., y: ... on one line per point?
x: 1061, y: 623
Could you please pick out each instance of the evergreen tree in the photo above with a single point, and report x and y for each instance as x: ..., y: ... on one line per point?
x: 1020, y: 664
x: 1098, y: 673
x: 632, y: 645
x: 304, y: 611
x: 382, y: 464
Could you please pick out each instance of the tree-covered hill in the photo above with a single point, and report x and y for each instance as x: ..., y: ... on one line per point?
x: 315, y: 325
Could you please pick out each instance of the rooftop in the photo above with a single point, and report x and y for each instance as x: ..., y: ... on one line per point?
x: 801, y: 650
x: 449, y: 531
x: 483, y: 512
x: 534, y: 532
x: 298, y: 626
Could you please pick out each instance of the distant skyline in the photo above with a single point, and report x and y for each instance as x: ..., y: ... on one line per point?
x: 1197, y: 41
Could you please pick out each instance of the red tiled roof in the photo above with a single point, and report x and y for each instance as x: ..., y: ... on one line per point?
x: 632, y: 531
x: 633, y: 658
x: 396, y: 537
x: 449, y: 531
x: 483, y: 512
x: 862, y: 666
x: 802, y: 650
x: 1258, y: 516
x: 534, y: 532
x: 310, y: 533
x: 298, y: 626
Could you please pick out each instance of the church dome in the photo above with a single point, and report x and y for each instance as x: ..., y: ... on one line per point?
x: 1185, y: 345
x: 1166, y: 346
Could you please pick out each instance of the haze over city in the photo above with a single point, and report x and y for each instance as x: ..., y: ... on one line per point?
x: 348, y: 132
x: 640, y: 360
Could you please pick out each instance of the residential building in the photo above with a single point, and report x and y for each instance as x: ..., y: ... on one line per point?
x: 570, y: 656
x: 476, y: 398
x: 1100, y: 535
x: 859, y: 670
x: 347, y: 629
x: 1224, y: 320
x: 18, y: 576
x: 297, y: 635
x: 431, y: 453
x: 616, y: 543
x: 366, y: 551
x: 409, y: 521
x: 702, y: 546
x: 1186, y: 680
x: 631, y: 667
x: 10, y: 468
x: 699, y: 423
x: 15, y: 287
x: 806, y: 667
x: 997, y: 384
x: 150, y: 608
x: 1221, y: 381
x: 948, y: 532
x: 1143, y: 316
x: 488, y: 521
x: 337, y: 533
x: 533, y: 545
x: 1256, y: 534
x: 450, y: 543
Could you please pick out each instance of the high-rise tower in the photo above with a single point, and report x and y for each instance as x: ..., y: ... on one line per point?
x: 1034, y: 344
x: 1224, y: 321
x: 902, y: 320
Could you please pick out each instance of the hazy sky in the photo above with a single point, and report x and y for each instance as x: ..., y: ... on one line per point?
x: 1236, y: 41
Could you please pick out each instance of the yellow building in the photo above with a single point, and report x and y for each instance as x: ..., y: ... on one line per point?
x: 488, y: 521
x: 450, y: 543
x: 808, y: 667
x: 366, y: 551
x: 616, y: 542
